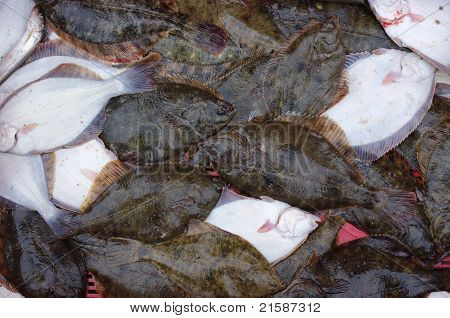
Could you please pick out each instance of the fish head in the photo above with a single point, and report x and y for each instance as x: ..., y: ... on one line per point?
x: 390, y: 9
x: 7, y: 137
x: 294, y: 222
x: 414, y: 68
x: 209, y: 116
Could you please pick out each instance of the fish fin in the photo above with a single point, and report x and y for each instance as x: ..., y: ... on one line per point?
x: 353, y: 58
x: 266, y: 227
x: 428, y: 143
x: 109, y: 174
x: 112, y: 53
x: 91, y: 132
x: 396, y: 207
x: 142, y: 77
x: 121, y: 252
x: 388, y: 244
x: 177, y: 79
x: 292, y: 43
x: 63, y: 206
x: 374, y: 151
x: 331, y: 132
x: 198, y: 227
x: 342, y: 90
x: 5, y: 203
x: 229, y: 196
x: 71, y: 71
x: 209, y: 37
x: 49, y: 162
x: 267, y: 199
x: 339, y: 286
x: 63, y: 223
x: 55, y: 48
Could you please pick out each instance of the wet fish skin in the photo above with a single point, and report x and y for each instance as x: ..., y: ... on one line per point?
x: 163, y: 124
x: 135, y: 25
x: 22, y: 180
x: 40, y: 117
x: 209, y: 264
x: 274, y: 228
x: 34, y: 261
x: 293, y: 164
x: 151, y: 205
x: 368, y: 267
x: 137, y: 280
x: 24, y: 47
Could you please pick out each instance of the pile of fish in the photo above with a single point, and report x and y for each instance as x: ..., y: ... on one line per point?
x: 181, y: 148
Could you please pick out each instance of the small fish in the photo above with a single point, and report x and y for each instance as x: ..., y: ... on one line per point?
x: 34, y: 262
x: 389, y: 93
x: 136, y: 280
x: 368, y: 267
x: 65, y: 107
x: 162, y: 125
x: 304, y: 162
x: 22, y: 181
x: 204, y: 263
x: 422, y: 26
x: 46, y: 58
x: 76, y: 176
x: 152, y: 204
x: 21, y: 29
x: 275, y: 228
x: 123, y: 32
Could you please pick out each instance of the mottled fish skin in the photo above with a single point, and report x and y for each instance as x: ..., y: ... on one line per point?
x: 135, y: 25
x: 163, y: 124
x: 368, y: 267
x: 375, y: 83
x: 208, y: 264
x: 136, y: 280
x: 265, y: 86
x: 360, y: 29
x: 23, y: 48
x: 291, y: 163
x: 274, y: 228
x: 422, y: 26
x: 77, y: 175
x: 152, y: 205
x: 34, y: 261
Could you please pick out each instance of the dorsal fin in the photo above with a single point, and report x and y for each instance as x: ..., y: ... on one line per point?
x: 198, y: 227
x: 49, y: 163
x: 72, y: 71
x: 292, y: 43
x: 352, y: 58
x: 331, y: 132
x: 429, y: 142
x: 55, y: 48
x: 175, y: 79
x: 109, y: 174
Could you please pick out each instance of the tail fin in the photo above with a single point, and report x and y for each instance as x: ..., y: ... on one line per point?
x: 396, y: 207
x: 63, y: 223
x: 122, y: 252
x: 209, y: 37
x: 141, y: 77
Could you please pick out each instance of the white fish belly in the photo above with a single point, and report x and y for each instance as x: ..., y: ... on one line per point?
x: 75, y: 172
x: 22, y: 180
x: 245, y: 217
x: 57, y: 110
x: 381, y: 100
x: 14, y: 16
x: 5, y: 293
x: 36, y: 69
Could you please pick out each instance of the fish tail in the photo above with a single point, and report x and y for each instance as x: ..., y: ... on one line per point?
x: 396, y: 207
x: 141, y: 77
x: 209, y: 37
x: 122, y: 252
x: 63, y: 223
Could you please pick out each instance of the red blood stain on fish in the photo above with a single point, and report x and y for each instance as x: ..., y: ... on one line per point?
x: 267, y: 227
x: 89, y: 174
x: 400, y: 18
